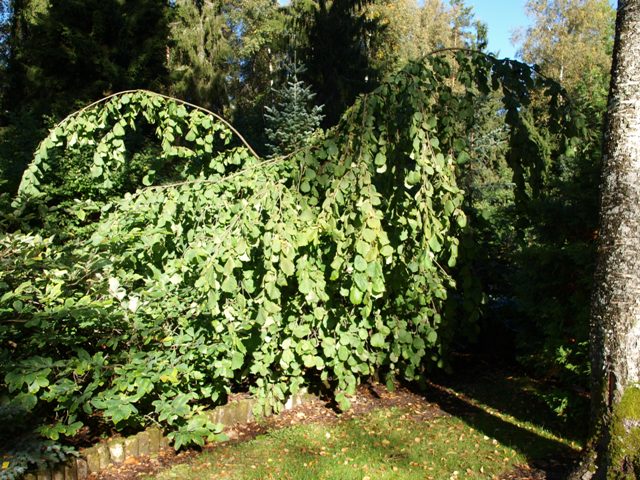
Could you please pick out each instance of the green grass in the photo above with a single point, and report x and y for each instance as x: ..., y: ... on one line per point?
x: 476, y: 442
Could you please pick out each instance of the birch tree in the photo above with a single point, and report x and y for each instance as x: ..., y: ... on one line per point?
x: 412, y: 29
x: 615, y: 328
x: 571, y: 40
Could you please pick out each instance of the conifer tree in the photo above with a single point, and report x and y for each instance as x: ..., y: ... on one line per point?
x: 337, y: 53
x: 199, y: 54
x: 73, y: 51
x: 293, y: 117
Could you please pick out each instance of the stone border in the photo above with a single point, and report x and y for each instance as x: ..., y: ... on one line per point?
x: 150, y: 441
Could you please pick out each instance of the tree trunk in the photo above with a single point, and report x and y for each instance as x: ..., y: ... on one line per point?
x: 615, y: 317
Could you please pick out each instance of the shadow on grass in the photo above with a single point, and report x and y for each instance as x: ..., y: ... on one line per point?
x: 552, y: 456
x: 514, y: 393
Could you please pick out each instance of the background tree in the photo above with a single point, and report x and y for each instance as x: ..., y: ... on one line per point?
x: 68, y: 58
x: 260, y: 35
x: 19, y: 129
x: 337, y: 54
x: 61, y: 57
x: 572, y: 42
x: 5, y: 28
x: 540, y: 271
x: 200, y: 53
x: 464, y: 30
x: 411, y: 30
x: 293, y: 117
x: 21, y: 17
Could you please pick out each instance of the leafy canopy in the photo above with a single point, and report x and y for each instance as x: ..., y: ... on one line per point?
x: 229, y: 271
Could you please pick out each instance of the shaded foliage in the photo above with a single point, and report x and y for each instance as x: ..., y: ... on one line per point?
x: 67, y: 58
x: 336, y: 54
x: 199, y: 56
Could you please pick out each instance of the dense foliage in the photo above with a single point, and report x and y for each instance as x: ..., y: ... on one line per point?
x: 101, y: 253
x: 169, y: 281
x: 336, y: 54
x: 61, y: 58
x: 199, y: 52
x: 223, y: 55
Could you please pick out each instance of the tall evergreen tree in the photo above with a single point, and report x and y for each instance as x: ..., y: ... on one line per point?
x: 260, y: 42
x: 62, y: 54
x: 5, y: 29
x: 199, y: 57
x: 20, y: 17
x: 73, y: 51
x: 337, y: 54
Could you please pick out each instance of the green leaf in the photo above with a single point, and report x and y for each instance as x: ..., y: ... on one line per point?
x: 463, y: 157
x: 412, y: 178
x: 361, y: 281
x: 377, y: 340
x: 119, y: 411
x: 369, y: 235
x: 434, y: 244
x: 360, y: 264
x: 301, y: 331
x: 229, y: 284
x: 237, y: 360
x: 332, y: 148
x: 309, y: 361
x: 355, y: 295
x: 118, y: 131
x: 343, y: 353
x: 343, y: 402
x: 448, y: 207
x: 287, y: 357
x: 306, y: 286
x: 287, y: 266
x: 386, y: 251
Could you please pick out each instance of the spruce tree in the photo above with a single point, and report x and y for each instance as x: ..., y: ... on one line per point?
x: 199, y: 53
x: 70, y: 52
x: 293, y: 117
x: 338, y: 35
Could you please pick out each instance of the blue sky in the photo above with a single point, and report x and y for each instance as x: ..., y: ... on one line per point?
x: 502, y: 18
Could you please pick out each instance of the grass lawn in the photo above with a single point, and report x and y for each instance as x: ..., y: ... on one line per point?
x: 457, y: 437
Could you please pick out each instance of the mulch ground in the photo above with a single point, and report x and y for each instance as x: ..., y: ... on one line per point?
x: 367, y: 399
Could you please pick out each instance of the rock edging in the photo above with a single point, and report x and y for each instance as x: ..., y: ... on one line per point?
x: 149, y: 441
